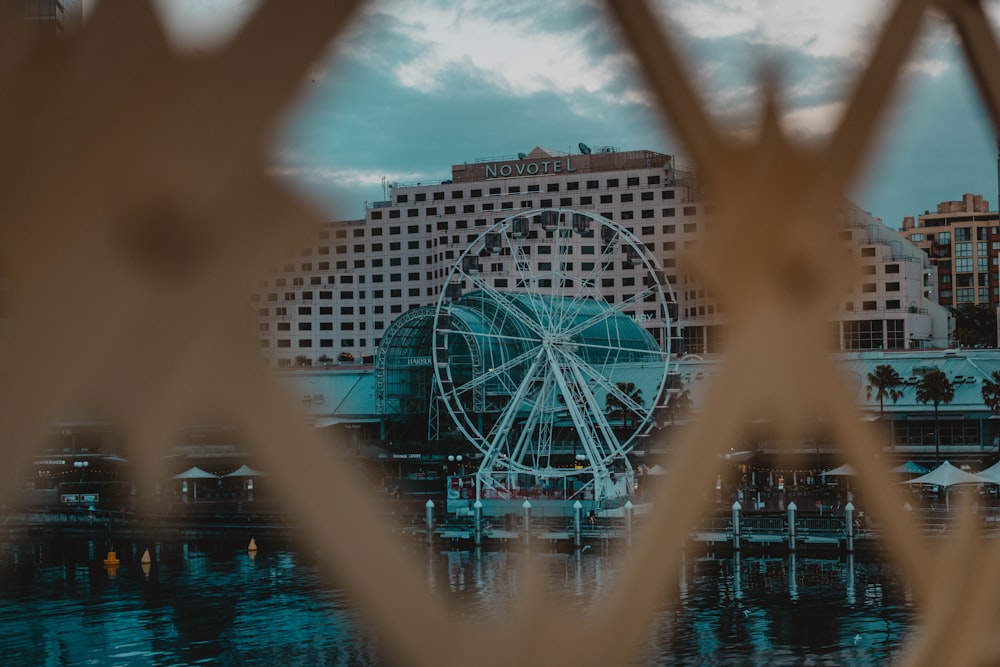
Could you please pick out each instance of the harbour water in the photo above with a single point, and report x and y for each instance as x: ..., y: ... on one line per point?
x: 207, y: 601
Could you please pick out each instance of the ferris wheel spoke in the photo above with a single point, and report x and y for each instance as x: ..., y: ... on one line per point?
x: 497, y: 371
x: 618, y: 308
x: 503, y: 299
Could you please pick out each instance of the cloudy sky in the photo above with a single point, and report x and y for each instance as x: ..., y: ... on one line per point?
x: 418, y: 85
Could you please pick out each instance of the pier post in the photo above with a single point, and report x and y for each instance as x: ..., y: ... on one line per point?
x: 477, y: 508
x: 792, y: 530
x: 736, y: 525
x: 527, y: 521
x: 577, y: 523
x: 849, y: 520
x: 628, y: 522
x: 429, y: 519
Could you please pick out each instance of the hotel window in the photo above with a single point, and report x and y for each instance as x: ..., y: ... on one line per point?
x: 606, y: 199
x: 494, y: 191
x: 963, y: 250
x: 627, y: 215
x: 869, y: 305
x: 593, y: 184
x: 533, y: 188
x: 284, y: 326
x: 438, y: 196
x: 633, y: 180
x: 476, y: 193
x: 892, y: 287
x: 892, y: 304
x: 488, y: 206
x: 668, y: 213
x: 546, y: 203
x: 412, y: 212
x: 432, y: 210
x: 346, y: 295
x: 305, y: 326
x: 394, y: 213
x: 612, y: 182
x: 868, y: 252
x: 964, y: 295
x: 457, y: 194
x: 690, y: 210
x: 469, y: 208
x: 526, y: 203
x: 648, y: 230
x: 395, y: 294
x: 892, y: 268
x: 626, y: 197
x: 552, y: 187
x: 284, y: 342
x: 647, y: 213
x: 653, y: 180
x: 514, y: 190
x: 646, y: 196
x: 507, y: 205
x: 586, y: 201
x: 963, y: 234
x: 963, y: 265
x: 401, y: 199
x: 573, y: 185
x: 607, y: 282
x: 668, y: 229
x: 420, y: 196
x: 342, y: 250
x: 565, y: 201
x: 395, y: 246
x: 690, y: 227
x: 868, y: 288
x: 666, y: 194
x: 981, y: 248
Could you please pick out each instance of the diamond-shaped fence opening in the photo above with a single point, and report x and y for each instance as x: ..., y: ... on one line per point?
x: 163, y: 216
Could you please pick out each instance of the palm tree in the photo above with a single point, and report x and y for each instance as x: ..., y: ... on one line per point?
x: 936, y: 388
x: 991, y: 391
x: 884, y: 382
x: 617, y: 406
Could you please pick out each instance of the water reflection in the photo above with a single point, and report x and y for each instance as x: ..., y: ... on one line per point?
x: 213, y: 601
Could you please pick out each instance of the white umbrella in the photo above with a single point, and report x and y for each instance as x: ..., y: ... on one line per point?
x: 946, y: 475
x: 991, y: 474
x: 245, y: 471
x: 194, y: 474
x: 844, y: 470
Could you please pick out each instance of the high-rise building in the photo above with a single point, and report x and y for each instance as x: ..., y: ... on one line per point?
x: 962, y: 239
x: 51, y: 18
x: 334, y: 300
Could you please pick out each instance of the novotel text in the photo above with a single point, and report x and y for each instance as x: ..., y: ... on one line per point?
x: 495, y: 170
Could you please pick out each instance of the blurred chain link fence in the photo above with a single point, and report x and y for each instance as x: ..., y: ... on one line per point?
x: 135, y: 212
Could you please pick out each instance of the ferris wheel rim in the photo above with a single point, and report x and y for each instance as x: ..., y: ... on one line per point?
x: 558, y: 307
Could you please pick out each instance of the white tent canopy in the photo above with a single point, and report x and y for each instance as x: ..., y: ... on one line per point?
x: 195, y: 473
x: 845, y: 469
x: 946, y: 475
x: 245, y: 471
x: 991, y: 474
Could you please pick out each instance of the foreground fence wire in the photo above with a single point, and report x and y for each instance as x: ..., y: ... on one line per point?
x: 163, y: 214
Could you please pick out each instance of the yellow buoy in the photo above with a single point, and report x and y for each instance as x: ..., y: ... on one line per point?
x: 253, y: 545
x: 146, y: 558
x: 112, y: 560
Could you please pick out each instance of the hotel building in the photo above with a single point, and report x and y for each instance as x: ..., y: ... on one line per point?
x: 335, y: 299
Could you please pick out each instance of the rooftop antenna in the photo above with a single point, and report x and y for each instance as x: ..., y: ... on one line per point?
x: 385, y: 189
x: 584, y: 148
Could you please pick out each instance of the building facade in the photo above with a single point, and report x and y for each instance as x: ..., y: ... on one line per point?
x: 335, y: 299
x: 962, y: 239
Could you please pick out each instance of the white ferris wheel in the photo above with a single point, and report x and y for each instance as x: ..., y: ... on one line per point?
x: 552, y: 352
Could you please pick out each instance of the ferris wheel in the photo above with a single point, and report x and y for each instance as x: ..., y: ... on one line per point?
x: 552, y: 351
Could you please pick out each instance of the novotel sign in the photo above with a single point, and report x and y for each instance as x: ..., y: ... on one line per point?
x: 497, y: 170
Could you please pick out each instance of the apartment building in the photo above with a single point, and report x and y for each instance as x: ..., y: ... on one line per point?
x: 962, y: 239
